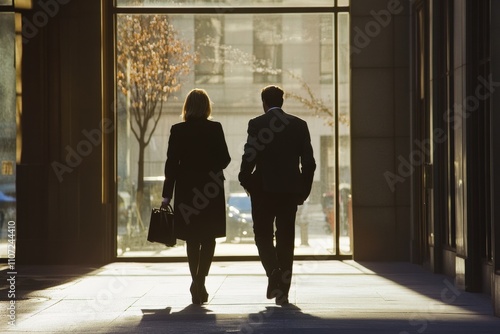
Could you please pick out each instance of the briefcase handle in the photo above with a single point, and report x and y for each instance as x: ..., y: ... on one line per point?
x: 168, y: 209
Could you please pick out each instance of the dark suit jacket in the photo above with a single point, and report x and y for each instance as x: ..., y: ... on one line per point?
x: 197, y: 153
x: 278, y: 156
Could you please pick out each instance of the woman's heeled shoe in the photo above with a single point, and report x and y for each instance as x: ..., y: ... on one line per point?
x: 203, y: 295
x: 195, y: 298
x: 202, y: 291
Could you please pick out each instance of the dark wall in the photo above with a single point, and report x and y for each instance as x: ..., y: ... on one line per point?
x: 495, y: 156
x: 61, y: 210
x: 380, y: 129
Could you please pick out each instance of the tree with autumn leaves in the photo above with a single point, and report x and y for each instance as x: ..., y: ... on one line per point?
x: 151, y: 61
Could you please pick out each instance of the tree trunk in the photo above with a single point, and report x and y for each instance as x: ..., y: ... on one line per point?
x: 139, y: 196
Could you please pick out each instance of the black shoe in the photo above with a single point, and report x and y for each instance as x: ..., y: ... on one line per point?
x: 202, y: 294
x: 202, y: 291
x: 195, y: 298
x: 273, y: 285
x: 282, y: 300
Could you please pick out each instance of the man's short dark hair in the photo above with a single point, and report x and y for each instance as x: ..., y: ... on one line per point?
x: 272, y: 96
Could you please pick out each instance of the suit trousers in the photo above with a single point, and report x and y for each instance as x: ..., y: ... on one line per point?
x: 267, y: 209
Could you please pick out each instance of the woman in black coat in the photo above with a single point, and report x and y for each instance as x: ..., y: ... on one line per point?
x: 197, y: 153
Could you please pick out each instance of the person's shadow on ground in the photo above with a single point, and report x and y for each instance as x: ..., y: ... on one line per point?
x: 200, y: 319
x: 192, y: 311
x: 274, y: 319
x: 195, y: 318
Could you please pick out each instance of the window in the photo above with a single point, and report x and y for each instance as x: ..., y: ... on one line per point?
x: 326, y: 49
x: 227, y: 5
x: 209, y: 41
x: 233, y: 52
x: 267, y: 48
x: 7, y: 127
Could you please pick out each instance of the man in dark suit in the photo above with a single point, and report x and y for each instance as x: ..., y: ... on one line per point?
x: 277, y: 170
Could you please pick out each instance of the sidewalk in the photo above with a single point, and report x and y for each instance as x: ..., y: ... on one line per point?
x: 326, y: 297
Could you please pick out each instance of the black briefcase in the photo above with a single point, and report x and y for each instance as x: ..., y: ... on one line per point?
x: 161, y: 226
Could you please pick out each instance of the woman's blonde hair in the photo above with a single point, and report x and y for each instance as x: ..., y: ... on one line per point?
x: 197, y: 105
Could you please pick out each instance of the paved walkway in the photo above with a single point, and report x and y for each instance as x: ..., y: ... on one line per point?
x: 326, y: 297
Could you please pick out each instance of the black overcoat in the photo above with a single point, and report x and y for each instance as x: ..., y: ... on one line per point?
x: 197, y: 153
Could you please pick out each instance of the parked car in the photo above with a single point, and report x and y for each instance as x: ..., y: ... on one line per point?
x: 239, y: 222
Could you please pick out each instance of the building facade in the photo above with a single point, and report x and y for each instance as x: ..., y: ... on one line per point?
x: 422, y: 91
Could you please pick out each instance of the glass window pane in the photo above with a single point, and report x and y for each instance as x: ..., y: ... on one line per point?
x: 327, y: 51
x: 235, y: 56
x: 342, y: 3
x: 224, y: 3
x: 344, y: 76
x: 209, y: 39
x: 7, y: 126
x: 267, y: 48
x: 6, y: 2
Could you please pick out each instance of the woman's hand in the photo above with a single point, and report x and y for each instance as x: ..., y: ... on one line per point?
x: 165, y: 203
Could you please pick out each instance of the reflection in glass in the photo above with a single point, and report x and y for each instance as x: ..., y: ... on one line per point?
x: 7, y: 127
x: 236, y: 56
